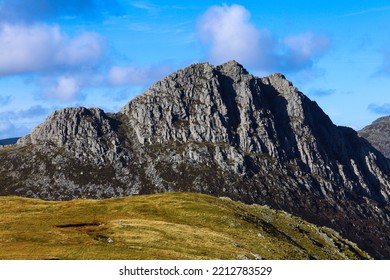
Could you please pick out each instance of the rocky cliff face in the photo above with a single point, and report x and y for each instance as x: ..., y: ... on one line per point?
x: 378, y: 134
x: 216, y: 130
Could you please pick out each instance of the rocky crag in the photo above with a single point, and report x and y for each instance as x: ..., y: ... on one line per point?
x: 215, y: 130
x: 378, y: 134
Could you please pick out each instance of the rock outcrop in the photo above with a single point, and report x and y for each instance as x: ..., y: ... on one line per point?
x: 378, y: 134
x: 216, y: 130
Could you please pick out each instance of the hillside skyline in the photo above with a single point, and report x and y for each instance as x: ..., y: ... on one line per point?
x: 95, y: 54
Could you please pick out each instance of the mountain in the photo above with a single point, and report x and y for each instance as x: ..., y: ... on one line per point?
x: 8, y: 141
x: 163, y: 226
x: 216, y: 130
x: 378, y: 134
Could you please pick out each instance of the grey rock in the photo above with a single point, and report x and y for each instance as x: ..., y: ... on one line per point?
x: 378, y: 134
x: 216, y: 130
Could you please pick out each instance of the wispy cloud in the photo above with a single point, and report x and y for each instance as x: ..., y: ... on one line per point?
x: 153, y: 8
x: 42, y: 47
x: 69, y: 86
x: 383, y: 109
x: 322, y: 92
x: 64, y: 88
x: 229, y: 34
x: 384, y: 68
x: 4, y: 100
x: 130, y: 75
x: 32, y: 112
x: 6, y: 127
x: 302, y: 49
x: 143, y: 5
x: 18, y: 123
x: 367, y: 11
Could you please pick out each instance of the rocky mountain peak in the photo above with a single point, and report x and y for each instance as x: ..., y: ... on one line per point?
x: 378, y: 134
x: 216, y: 130
x: 280, y: 83
x: 232, y: 68
x: 87, y: 133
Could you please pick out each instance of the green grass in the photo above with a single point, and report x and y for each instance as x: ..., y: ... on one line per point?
x: 162, y: 226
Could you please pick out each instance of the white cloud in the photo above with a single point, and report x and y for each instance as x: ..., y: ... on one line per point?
x: 64, y: 88
x: 228, y: 32
x: 8, y: 129
x: 231, y: 34
x: 14, y: 123
x: 42, y: 47
x: 5, y: 125
x: 86, y: 47
x: 302, y: 48
x: 127, y: 75
x: 130, y: 75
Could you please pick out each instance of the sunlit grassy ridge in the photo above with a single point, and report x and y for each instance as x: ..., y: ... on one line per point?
x: 163, y: 226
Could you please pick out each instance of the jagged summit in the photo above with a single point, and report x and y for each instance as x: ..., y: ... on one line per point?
x: 216, y: 130
x: 232, y: 68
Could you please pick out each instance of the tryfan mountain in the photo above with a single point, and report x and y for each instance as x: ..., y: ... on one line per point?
x: 216, y: 130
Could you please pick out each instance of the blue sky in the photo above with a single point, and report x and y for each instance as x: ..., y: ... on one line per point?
x: 94, y: 53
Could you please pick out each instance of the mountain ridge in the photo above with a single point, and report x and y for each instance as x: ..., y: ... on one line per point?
x: 217, y: 130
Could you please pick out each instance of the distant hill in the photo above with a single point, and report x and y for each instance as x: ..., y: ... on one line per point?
x: 378, y: 134
x: 163, y: 226
x: 9, y: 141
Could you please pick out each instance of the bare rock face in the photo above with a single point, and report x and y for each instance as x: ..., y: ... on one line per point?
x: 378, y: 134
x: 216, y: 130
x: 87, y: 134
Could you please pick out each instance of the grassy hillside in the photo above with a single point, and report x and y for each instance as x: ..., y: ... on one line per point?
x: 163, y: 226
